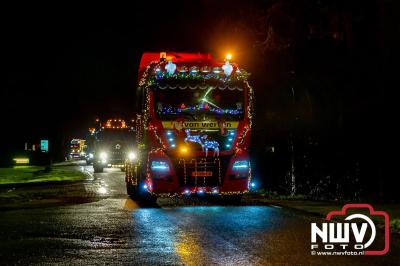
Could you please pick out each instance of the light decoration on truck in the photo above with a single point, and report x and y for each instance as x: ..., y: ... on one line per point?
x: 230, y: 138
x: 228, y: 68
x: 240, y: 165
x: 238, y: 77
x: 159, y: 166
x: 194, y: 70
x: 204, y: 104
x: 205, y: 69
x: 199, y: 107
x: 183, y: 69
x: 171, y: 138
x: 217, y: 70
x: 170, y: 67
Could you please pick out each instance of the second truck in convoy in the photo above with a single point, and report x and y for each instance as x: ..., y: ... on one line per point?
x: 112, y: 143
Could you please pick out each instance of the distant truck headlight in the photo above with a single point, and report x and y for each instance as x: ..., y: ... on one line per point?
x: 132, y: 156
x: 91, y: 155
x: 103, y: 155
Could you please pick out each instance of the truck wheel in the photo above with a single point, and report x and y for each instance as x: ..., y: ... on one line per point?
x: 98, y: 168
x: 130, y: 189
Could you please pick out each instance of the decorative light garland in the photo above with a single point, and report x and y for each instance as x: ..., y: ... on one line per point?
x: 199, y: 107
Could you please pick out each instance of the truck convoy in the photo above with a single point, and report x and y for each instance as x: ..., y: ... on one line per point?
x: 193, y: 127
x: 113, y: 143
x: 77, y: 149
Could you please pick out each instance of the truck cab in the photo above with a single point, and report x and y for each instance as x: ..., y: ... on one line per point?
x: 193, y: 126
x: 114, y: 144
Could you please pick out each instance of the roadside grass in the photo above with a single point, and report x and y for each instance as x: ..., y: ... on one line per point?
x: 38, y: 174
x: 321, y: 207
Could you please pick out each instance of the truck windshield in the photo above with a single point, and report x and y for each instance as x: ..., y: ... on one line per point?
x: 109, y: 134
x: 199, y: 103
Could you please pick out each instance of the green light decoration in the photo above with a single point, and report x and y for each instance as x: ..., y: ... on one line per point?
x: 204, y: 98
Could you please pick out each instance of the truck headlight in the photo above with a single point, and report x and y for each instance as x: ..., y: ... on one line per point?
x: 132, y: 156
x: 159, y: 166
x: 240, y: 165
x: 103, y: 155
x: 91, y: 155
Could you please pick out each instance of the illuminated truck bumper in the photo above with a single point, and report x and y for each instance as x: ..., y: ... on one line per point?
x: 229, y: 174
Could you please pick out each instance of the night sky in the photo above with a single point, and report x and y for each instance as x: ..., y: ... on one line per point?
x: 66, y: 66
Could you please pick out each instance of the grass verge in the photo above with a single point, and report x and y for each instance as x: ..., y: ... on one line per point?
x: 38, y: 174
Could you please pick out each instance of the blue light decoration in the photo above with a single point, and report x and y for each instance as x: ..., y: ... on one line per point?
x: 169, y: 110
x: 159, y: 166
x: 230, y: 138
x: 227, y: 68
x: 170, y: 67
x: 193, y: 138
x: 240, y: 165
x: 171, y: 138
x: 210, y: 144
x: 217, y: 70
x: 145, y: 187
x: 187, y: 192
x: 194, y: 70
x: 252, y: 186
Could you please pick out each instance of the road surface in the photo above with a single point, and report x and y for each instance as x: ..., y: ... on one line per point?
x: 113, y: 229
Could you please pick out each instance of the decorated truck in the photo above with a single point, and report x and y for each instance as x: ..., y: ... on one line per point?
x: 114, y: 143
x: 193, y: 127
x: 77, y: 149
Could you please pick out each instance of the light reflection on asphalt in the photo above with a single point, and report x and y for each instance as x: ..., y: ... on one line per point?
x: 199, y: 232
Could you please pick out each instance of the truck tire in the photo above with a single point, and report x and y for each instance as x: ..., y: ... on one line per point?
x: 139, y: 194
x: 97, y: 168
x: 130, y: 189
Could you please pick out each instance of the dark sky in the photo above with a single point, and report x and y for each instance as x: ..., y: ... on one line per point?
x: 67, y: 65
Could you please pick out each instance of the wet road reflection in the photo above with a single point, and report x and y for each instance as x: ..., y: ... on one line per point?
x: 202, y: 234
x: 114, y: 229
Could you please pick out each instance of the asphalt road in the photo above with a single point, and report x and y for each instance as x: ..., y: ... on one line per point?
x: 113, y: 230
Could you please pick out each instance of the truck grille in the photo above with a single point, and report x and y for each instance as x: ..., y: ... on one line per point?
x: 117, y: 157
x: 202, y: 171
